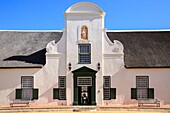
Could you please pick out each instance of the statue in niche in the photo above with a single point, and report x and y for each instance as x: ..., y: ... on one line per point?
x: 84, y: 33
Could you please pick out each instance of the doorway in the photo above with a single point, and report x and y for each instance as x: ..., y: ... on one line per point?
x: 84, y: 86
x: 84, y: 95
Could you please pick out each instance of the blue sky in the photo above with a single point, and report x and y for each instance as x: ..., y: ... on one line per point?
x: 49, y: 14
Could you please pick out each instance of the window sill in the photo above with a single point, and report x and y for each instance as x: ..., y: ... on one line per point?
x: 84, y: 63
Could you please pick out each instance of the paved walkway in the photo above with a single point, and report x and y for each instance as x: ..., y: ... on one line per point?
x: 96, y: 112
x: 85, y: 109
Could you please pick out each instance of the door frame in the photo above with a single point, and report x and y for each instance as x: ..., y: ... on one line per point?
x: 84, y: 72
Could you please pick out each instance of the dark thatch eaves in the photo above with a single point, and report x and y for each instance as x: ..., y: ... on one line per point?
x: 142, y: 49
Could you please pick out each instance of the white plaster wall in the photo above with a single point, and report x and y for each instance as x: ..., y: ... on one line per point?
x: 94, y: 25
x: 10, y: 79
x: 70, y: 89
x: 74, y: 22
x: 99, y: 87
x: 47, y: 78
x: 125, y: 79
x: 113, y: 61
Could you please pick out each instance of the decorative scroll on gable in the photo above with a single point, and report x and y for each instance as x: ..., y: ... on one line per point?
x: 54, y: 47
x: 50, y: 48
x: 112, y: 48
x: 117, y: 47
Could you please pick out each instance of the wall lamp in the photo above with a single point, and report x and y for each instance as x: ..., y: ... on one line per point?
x: 98, y: 66
x: 69, y: 66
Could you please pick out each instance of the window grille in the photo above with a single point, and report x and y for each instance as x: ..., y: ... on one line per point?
x: 27, y: 82
x: 106, y: 93
x: 106, y: 87
x: 142, y: 82
x: 62, y: 81
x: 84, y: 53
x: 142, y: 85
x: 62, y: 87
x: 27, y: 87
x: 62, y: 94
x: 84, y: 81
x: 106, y: 81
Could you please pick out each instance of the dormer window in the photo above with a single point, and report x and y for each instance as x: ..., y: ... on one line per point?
x: 84, y: 53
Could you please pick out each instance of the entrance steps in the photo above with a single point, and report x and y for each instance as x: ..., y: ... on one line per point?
x: 84, y: 108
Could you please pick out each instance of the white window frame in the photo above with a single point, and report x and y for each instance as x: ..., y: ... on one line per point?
x: 86, y: 54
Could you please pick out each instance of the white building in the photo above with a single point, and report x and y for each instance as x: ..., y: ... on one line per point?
x: 84, y: 64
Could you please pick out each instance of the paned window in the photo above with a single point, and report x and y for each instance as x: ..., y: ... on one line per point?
x: 62, y: 87
x: 27, y: 87
x: 142, y: 90
x: 142, y: 85
x: 27, y: 91
x: 84, y: 53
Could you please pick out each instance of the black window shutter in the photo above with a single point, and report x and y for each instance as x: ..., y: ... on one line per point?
x: 18, y: 94
x: 35, y: 93
x: 113, y: 93
x: 55, y: 93
x: 151, y: 93
x: 133, y: 93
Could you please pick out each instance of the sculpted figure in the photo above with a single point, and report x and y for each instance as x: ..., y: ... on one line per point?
x: 84, y: 33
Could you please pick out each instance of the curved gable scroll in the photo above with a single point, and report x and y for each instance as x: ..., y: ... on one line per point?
x: 115, y: 47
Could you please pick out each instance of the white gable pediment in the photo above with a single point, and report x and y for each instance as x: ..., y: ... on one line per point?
x: 84, y: 7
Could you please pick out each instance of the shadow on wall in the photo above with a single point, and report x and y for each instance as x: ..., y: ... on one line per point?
x: 122, y: 96
x: 46, y: 98
x: 34, y: 58
x: 9, y: 84
x: 48, y: 94
x: 11, y: 95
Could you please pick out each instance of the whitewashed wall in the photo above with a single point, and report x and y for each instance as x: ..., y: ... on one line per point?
x: 48, y: 76
x: 10, y: 79
x: 125, y: 79
x: 91, y: 16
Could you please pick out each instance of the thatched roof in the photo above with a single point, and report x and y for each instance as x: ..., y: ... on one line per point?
x: 142, y: 49
x: 24, y: 49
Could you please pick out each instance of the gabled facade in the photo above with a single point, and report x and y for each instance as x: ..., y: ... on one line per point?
x: 84, y: 64
x: 84, y: 44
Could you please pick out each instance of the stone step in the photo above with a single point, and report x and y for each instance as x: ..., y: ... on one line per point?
x: 84, y: 108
